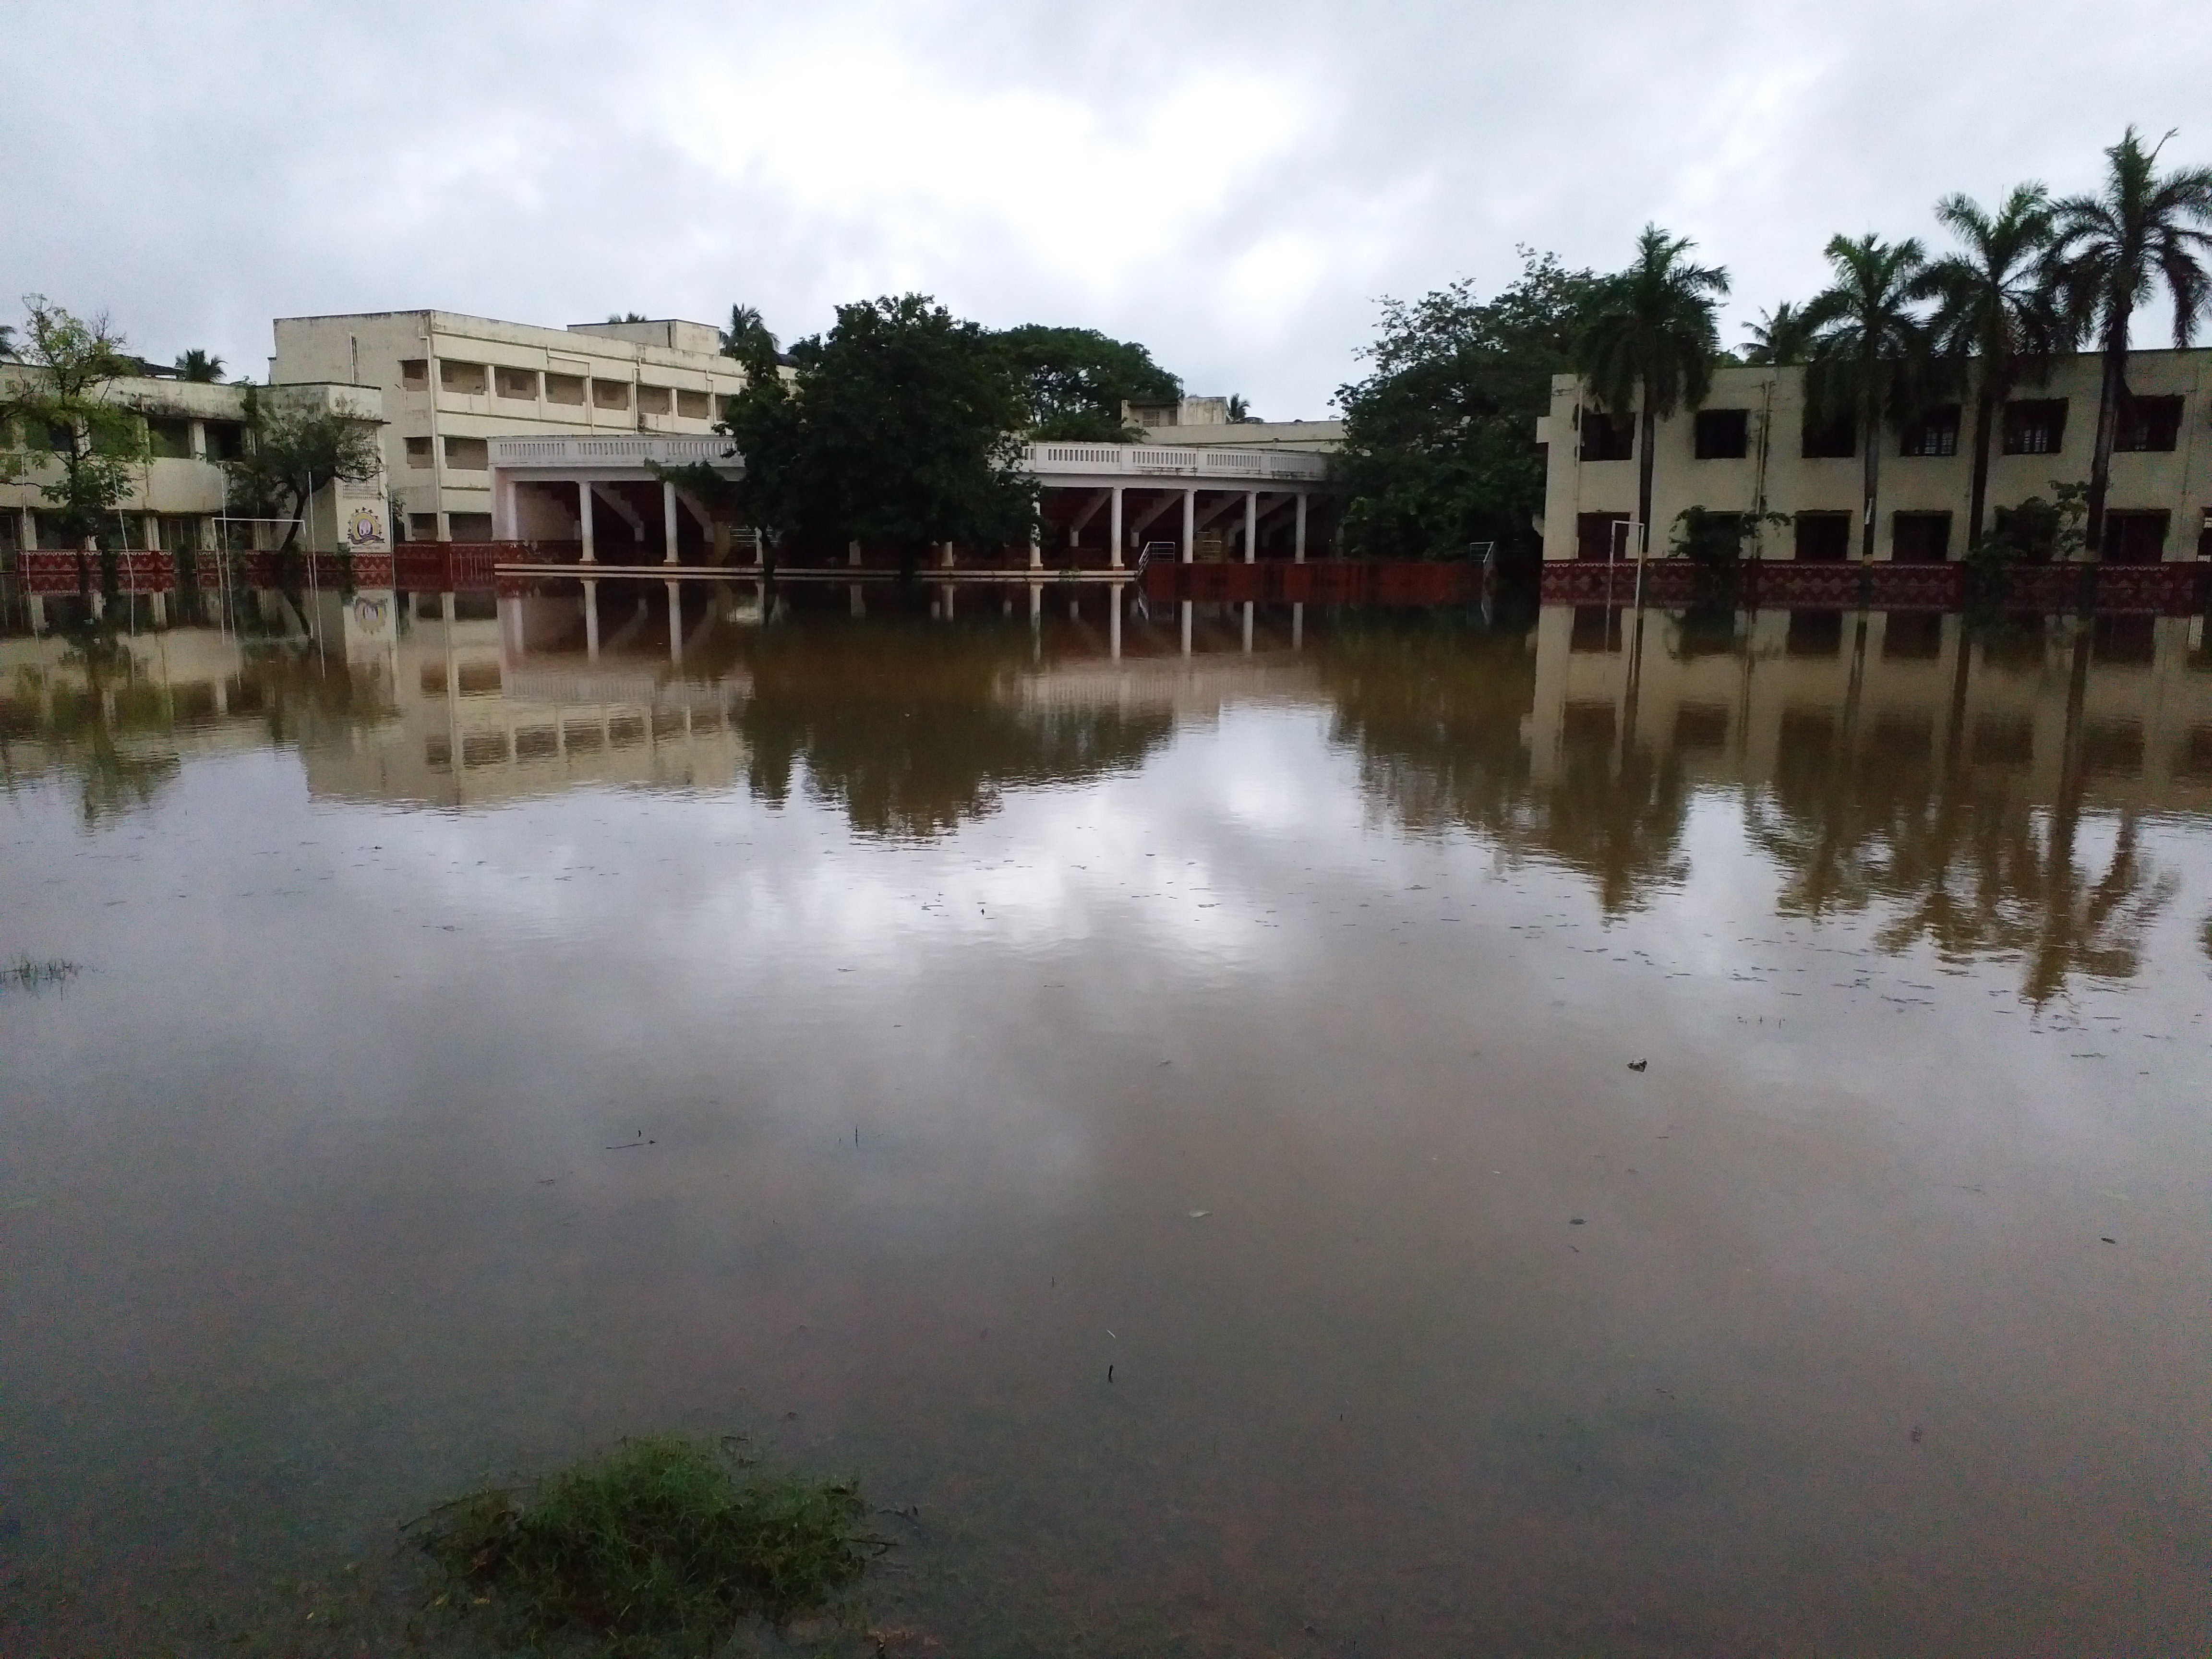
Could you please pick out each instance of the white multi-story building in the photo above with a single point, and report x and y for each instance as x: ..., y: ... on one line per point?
x: 451, y: 383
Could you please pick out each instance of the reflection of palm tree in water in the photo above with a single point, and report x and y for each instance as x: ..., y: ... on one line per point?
x: 1971, y: 866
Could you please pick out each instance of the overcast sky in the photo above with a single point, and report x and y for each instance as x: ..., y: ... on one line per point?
x: 1234, y: 185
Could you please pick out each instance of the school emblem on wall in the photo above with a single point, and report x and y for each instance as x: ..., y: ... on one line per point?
x: 365, y: 529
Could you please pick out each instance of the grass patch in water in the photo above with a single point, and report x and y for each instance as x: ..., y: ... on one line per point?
x: 25, y: 974
x: 664, y: 1545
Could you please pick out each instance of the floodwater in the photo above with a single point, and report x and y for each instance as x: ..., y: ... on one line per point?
x: 1379, y: 1135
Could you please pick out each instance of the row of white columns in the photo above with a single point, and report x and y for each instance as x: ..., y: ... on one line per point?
x: 1115, y: 534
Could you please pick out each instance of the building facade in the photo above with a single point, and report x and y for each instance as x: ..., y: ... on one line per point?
x: 451, y: 383
x: 1755, y: 447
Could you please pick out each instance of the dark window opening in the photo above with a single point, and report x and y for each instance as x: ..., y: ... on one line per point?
x: 1830, y: 438
x: 2149, y: 424
x: 2128, y: 639
x: 1936, y: 433
x: 1912, y: 636
x: 2135, y: 538
x: 1605, y: 438
x: 1601, y: 536
x: 226, y: 440
x: 1920, y: 537
x: 2035, y: 426
x: 1596, y: 628
x: 1814, y: 634
x: 415, y: 374
x: 1824, y: 537
x: 170, y: 440
x: 1724, y: 434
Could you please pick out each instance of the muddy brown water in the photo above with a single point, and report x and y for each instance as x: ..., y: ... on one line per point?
x: 1409, y: 1137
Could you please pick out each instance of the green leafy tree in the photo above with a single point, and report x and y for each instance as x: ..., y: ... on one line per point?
x: 202, y: 367
x: 290, y: 451
x: 1078, y: 380
x: 1439, y: 449
x: 1869, y: 350
x: 1994, y: 320
x: 67, y: 394
x: 898, y: 426
x: 2113, y: 250
x: 1650, y: 339
x: 747, y: 336
x: 1778, y: 339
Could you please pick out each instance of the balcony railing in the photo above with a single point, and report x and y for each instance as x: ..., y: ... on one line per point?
x: 1169, y: 460
x: 579, y: 451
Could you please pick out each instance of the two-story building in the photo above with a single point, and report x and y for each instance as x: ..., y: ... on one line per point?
x: 1756, y: 447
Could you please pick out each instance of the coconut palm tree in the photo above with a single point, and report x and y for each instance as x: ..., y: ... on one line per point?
x: 1776, y: 339
x: 1651, y: 338
x: 199, y: 365
x: 747, y: 333
x: 1867, y: 348
x: 2111, y: 250
x: 1994, y: 310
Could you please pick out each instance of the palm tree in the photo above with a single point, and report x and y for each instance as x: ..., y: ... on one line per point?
x: 1993, y: 305
x: 2110, y: 253
x: 7, y: 342
x: 200, y: 366
x: 1777, y: 337
x: 1652, y: 336
x: 1867, y: 348
x: 747, y: 333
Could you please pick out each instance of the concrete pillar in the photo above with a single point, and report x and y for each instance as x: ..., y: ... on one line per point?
x: 675, y: 622
x: 668, y: 518
x: 591, y: 621
x: 1185, y: 608
x: 1251, y: 527
x: 1189, y: 525
x: 584, y: 520
x: 1298, y: 623
x: 853, y: 556
x: 1298, y: 555
x: 1114, y: 540
x: 1036, y: 551
x: 1248, y: 608
x: 945, y: 558
x: 1113, y: 622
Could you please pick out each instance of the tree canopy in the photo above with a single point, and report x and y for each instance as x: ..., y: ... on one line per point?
x: 290, y: 451
x: 898, y: 428
x: 197, y: 365
x: 1077, y: 380
x: 68, y: 394
x: 1440, y: 446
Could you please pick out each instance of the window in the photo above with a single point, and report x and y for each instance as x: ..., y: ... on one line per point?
x: 610, y: 394
x: 415, y: 374
x: 2135, y: 538
x: 1814, y: 634
x: 170, y: 440
x: 653, y: 400
x: 1601, y: 536
x: 179, y: 534
x: 1596, y: 628
x: 1920, y: 537
x: 2034, y: 426
x: 564, y: 388
x: 1912, y: 636
x: 467, y: 455
x: 2148, y: 423
x: 1605, y: 438
x: 470, y: 379
x: 418, y: 451
x: 516, y: 382
x: 1830, y: 438
x: 1824, y: 537
x: 693, y: 405
x: 1724, y: 434
x: 1936, y: 433
x: 226, y: 440
x: 422, y: 526
x: 470, y: 526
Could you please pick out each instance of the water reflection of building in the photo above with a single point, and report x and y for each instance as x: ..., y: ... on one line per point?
x: 471, y: 726
x: 1905, y: 689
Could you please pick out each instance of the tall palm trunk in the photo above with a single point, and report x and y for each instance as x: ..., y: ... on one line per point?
x: 1871, y: 414
x: 1985, y: 406
x: 2108, y: 427
x: 1646, y: 442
